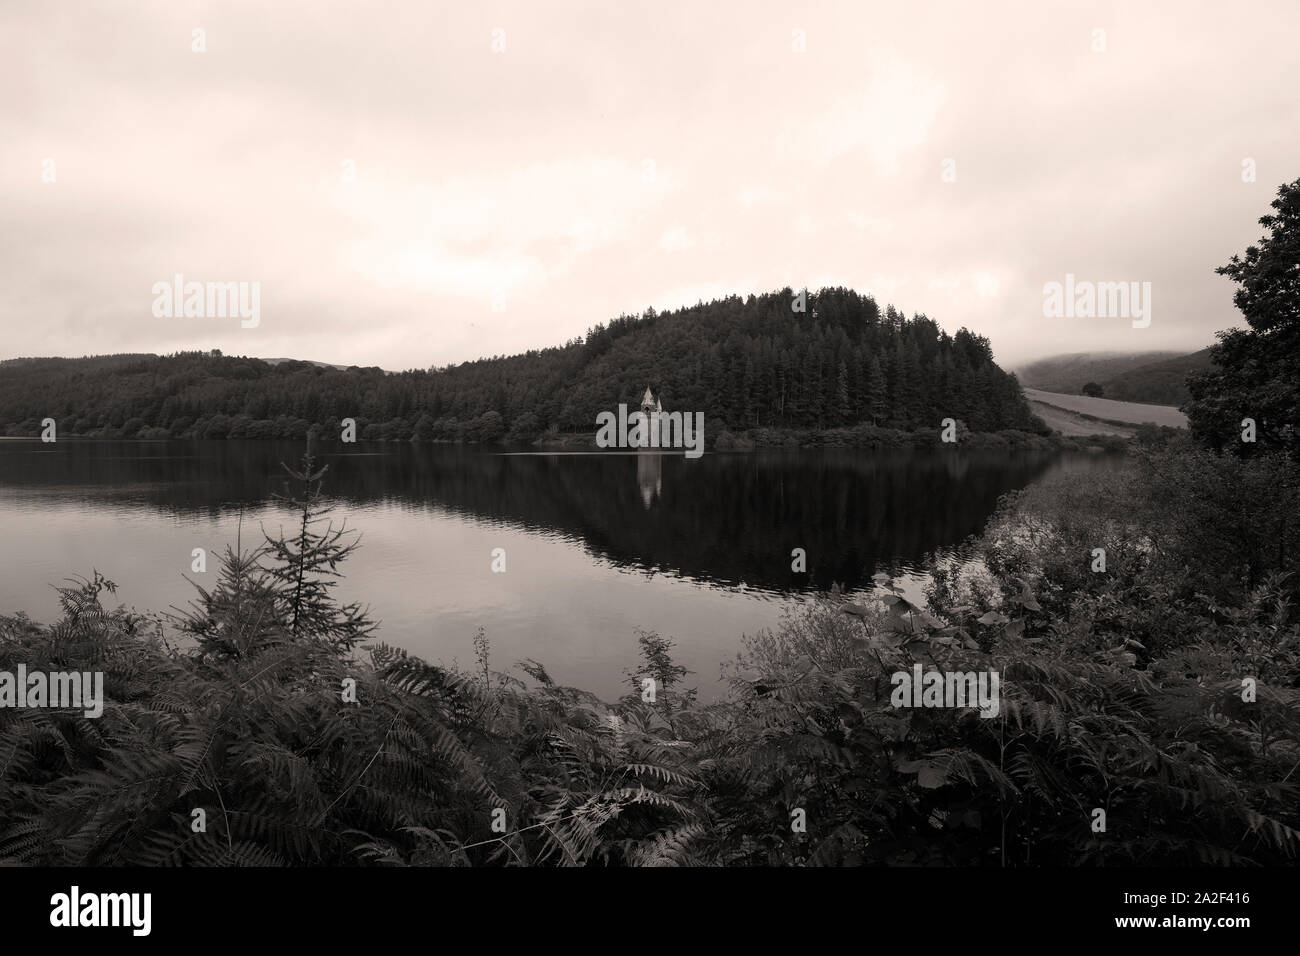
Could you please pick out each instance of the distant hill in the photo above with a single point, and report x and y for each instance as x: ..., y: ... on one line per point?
x: 1159, y: 383
x: 279, y: 361
x: 817, y: 361
x: 98, y: 362
x: 1153, y: 378
x: 1068, y: 374
x: 123, y: 359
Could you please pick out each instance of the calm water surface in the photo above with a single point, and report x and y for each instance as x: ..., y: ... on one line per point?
x: 596, y: 544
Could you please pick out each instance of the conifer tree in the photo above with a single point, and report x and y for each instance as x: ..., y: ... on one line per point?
x: 304, y: 567
x: 241, y: 615
x: 843, y: 411
x: 875, y: 391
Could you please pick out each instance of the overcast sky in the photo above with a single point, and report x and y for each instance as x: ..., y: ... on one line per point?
x: 619, y: 155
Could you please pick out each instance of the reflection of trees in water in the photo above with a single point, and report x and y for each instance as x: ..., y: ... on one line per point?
x: 725, y: 518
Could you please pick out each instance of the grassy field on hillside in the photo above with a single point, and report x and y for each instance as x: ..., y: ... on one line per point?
x: 1074, y: 425
x: 1109, y: 410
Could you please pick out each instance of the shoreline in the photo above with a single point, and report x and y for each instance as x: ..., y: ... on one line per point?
x: 762, y: 439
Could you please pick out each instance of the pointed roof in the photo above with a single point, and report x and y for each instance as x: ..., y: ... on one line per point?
x: 648, y: 399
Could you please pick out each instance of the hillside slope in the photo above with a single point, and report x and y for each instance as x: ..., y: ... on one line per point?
x: 1069, y: 373
x: 1108, y: 410
x: 1159, y: 383
x: 1073, y: 425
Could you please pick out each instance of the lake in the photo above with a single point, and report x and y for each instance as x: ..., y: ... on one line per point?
x: 596, y: 544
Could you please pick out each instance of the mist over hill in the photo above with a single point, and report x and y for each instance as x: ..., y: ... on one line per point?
x: 1070, y: 372
x: 1155, y: 378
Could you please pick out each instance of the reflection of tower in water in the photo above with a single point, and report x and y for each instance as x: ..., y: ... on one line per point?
x: 649, y: 472
x: 649, y: 477
x: 957, y: 465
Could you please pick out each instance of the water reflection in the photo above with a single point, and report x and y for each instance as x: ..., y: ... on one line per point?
x: 598, y: 544
x: 649, y: 477
x: 726, y: 519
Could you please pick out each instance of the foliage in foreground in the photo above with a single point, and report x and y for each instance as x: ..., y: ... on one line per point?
x: 1120, y: 691
x: 1255, y: 371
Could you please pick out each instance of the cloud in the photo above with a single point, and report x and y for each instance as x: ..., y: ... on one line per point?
x: 386, y: 176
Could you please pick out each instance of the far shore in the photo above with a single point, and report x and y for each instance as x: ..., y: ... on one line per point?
x: 859, y: 436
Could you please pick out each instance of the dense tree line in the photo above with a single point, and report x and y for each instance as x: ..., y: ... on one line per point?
x: 746, y: 363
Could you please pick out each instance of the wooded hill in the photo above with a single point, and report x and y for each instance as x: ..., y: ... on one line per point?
x: 746, y: 363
